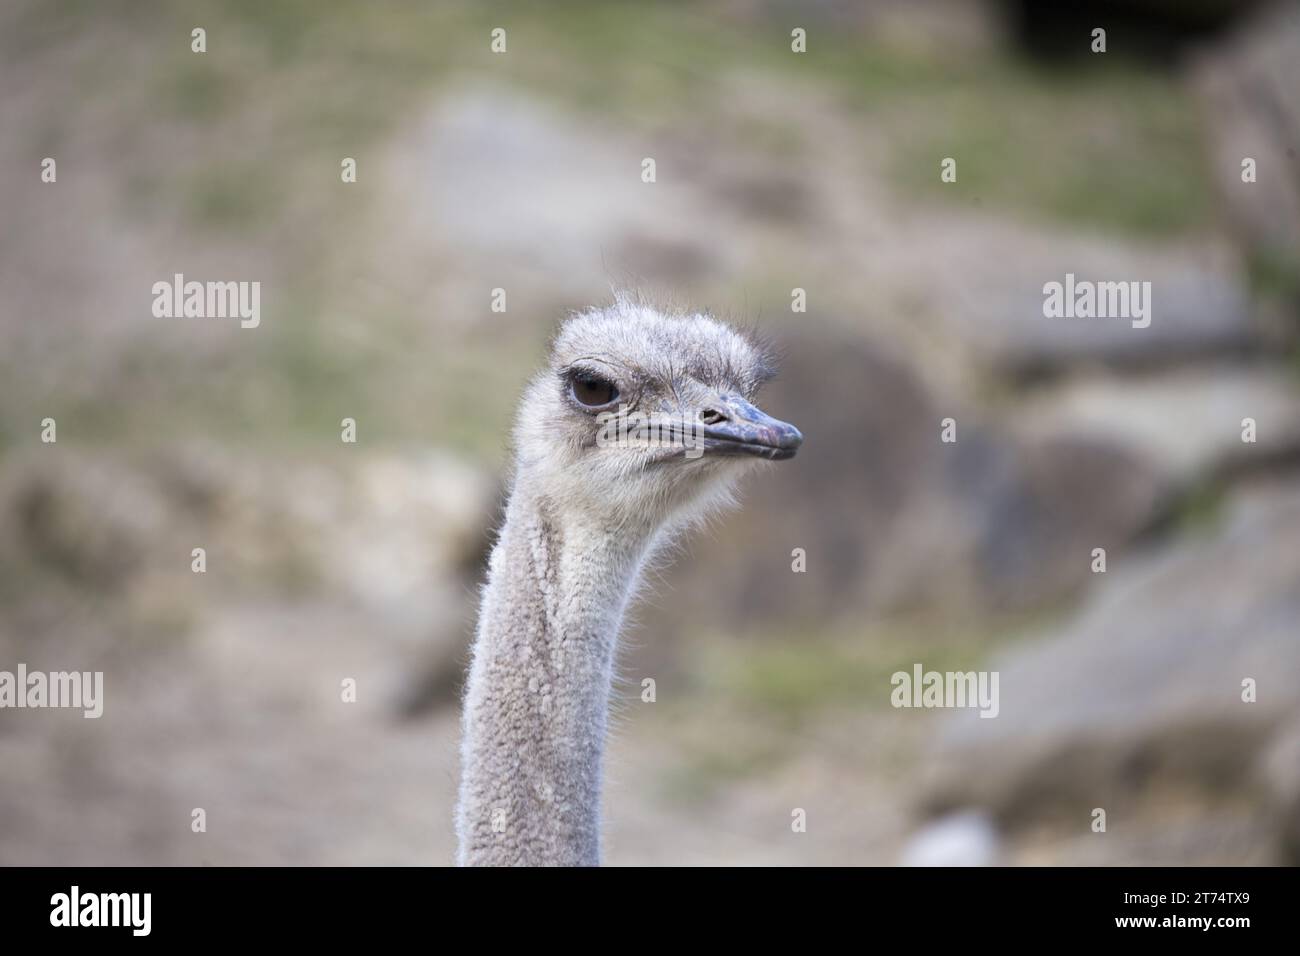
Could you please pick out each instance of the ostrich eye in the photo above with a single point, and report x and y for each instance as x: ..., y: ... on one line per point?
x: 592, y: 390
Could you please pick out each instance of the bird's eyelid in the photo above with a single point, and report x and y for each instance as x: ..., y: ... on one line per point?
x: 573, y: 373
x: 592, y: 365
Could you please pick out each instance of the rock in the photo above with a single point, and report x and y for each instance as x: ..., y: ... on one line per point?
x: 871, y: 449
x: 1249, y: 90
x: 884, y: 509
x: 963, y: 839
x: 413, y: 519
x: 1281, y: 768
x: 1142, y: 692
x: 546, y: 203
x: 1036, y: 508
x: 990, y: 299
x: 88, y: 519
x: 1187, y: 423
x: 400, y: 535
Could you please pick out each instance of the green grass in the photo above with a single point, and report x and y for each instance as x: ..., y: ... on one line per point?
x: 291, y: 391
x: 1201, y: 508
x: 1275, y: 275
x: 768, y: 692
x: 705, y: 765
x: 798, y: 675
x: 236, y: 195
x: 1115, y: 149
x: 1111, y: 148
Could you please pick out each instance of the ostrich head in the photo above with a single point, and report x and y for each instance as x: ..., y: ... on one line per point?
x: 647, y: 417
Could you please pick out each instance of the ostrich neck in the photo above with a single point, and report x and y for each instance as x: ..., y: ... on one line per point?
x: 537, y: 699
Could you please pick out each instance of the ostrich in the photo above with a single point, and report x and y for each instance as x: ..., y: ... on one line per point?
x: 584, y: 515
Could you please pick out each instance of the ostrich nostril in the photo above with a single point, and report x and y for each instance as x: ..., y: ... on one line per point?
x: 711, y: 416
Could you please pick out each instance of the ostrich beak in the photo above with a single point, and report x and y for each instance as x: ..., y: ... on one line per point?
x: 742, y: 429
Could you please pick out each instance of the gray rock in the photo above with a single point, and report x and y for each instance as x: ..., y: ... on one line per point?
x: 1281, y: 769
x: 1186, y: 423
x: 1144, y: 687
x: 87, y: 520
x: 1038, y: 507
x: 1250, y: 88
x: 884, y: 509
x: 963, y: 839
x: 1199, y: 305
x: 871, y: 438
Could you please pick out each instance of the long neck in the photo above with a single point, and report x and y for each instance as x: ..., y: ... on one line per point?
x: 537, y: 700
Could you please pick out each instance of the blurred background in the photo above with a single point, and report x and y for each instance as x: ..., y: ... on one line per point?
x: 820, y: 171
